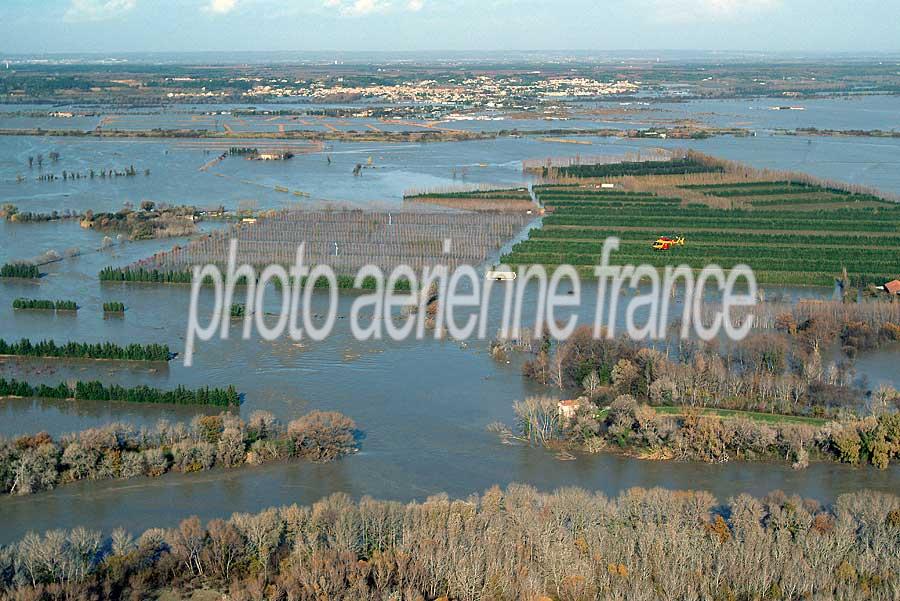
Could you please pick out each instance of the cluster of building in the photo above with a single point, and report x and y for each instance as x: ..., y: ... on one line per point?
x: 202, y: 93
x: 480, y: 90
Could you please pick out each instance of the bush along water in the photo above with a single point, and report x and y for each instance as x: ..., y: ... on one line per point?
x: 29, y: 464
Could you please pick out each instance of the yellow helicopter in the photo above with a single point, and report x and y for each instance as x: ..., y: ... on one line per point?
x: 667, y: 243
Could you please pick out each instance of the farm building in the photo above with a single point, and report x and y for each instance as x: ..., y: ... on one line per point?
x: 272, y: 156
x: 892, y: 287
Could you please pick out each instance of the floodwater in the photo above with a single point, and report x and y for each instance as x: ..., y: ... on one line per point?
x: 423, y: 405
x: 843, y: 113
x: 862, y: 112
x: 175, y: 174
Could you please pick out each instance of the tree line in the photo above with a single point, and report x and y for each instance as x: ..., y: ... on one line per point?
x: 19, y: 270
x: 97, y: 391
x: 44, y: 304
x: 129, y: 171
x: 11, y: 212
x: 86, y: 350
x: 504, y: 545
x: 30, y: 464
x: 142, y: 274
x: 242, y: 150
x: 62, y: 305
x: 126, y: 274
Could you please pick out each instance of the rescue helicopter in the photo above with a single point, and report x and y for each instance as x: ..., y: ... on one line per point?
x: 668, y: 243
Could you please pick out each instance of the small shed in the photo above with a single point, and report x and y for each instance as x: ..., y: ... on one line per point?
x: 893, y: 287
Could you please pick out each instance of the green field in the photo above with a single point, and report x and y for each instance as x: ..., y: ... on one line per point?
x: 769, y: 418
x: 782, y: 242
x: 681, y: 166
x: 493, y: 193
x: 791, y: 194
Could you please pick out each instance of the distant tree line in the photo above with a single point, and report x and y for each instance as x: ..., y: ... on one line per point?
x: 127, y: 274
x: 30, y: 464
x: 11, y: 212
x: 86, y: 350
x: 504, y: 545
x: 242, y: 150
x: 129, y: 171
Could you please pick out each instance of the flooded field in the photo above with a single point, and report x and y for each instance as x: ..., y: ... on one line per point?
x: 176, y: 177
x: 424, y: 405
x: 866, y: 112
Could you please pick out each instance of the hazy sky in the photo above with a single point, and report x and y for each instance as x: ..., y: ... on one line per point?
x: 32, y: 26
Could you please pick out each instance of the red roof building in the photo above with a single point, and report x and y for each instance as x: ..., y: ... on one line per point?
x: 893, y: 287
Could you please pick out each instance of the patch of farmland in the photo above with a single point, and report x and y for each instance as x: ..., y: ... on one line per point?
x: 677, y: 166
x: 790, y: 230
x: 515, y: 200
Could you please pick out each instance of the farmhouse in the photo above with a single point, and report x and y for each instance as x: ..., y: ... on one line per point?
x: 272, y: 156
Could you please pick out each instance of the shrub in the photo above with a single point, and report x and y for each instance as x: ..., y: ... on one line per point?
x: 322, y: 435
x: 29, y: 464
x: 113, y: 307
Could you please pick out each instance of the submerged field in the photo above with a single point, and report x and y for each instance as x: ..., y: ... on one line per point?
x: 790, y: 231
x: 347, y: 240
